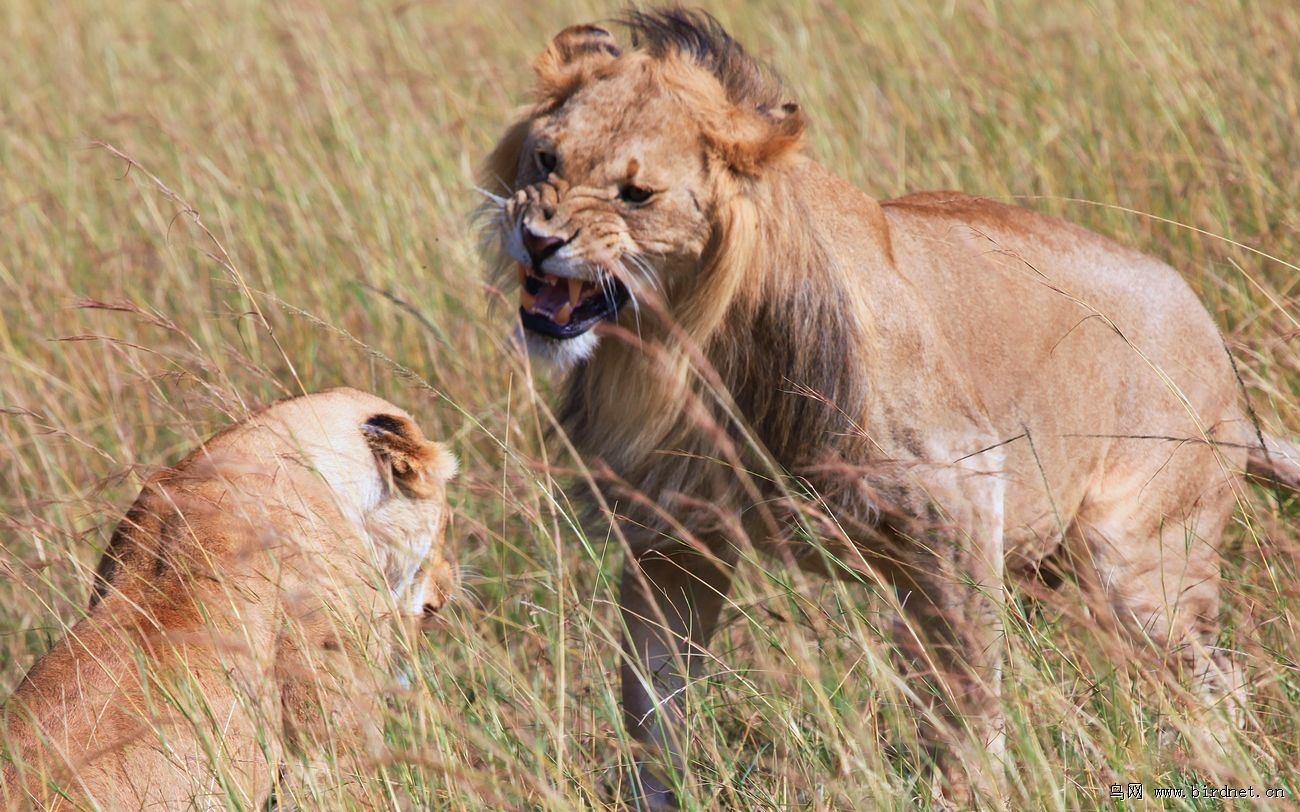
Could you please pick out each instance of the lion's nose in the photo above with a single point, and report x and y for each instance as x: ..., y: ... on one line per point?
x: 539, y: 247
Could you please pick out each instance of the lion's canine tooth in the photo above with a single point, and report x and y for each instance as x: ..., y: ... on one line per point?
x: 564, y: 314
x: 575, y: 292
x: 527, y: 299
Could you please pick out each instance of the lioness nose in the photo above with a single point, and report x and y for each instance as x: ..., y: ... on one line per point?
x: 539, y: 247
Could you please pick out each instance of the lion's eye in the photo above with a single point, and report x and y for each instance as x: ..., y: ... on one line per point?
x: 629, y: 193
x: 547, y: 160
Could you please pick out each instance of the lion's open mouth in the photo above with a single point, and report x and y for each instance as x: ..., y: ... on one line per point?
x: 561, y: 307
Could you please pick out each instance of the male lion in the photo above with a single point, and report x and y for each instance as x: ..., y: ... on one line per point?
x: 968, y: 387
x: 241, y: 615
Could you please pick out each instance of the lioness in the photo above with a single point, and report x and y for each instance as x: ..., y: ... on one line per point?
x: 969, y: 387
x: 242, y: 615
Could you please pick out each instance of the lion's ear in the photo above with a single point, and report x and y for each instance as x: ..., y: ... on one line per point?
x: 748, y: 140
x: 570, y: 59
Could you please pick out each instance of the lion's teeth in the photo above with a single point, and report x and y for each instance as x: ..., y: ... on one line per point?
x: 527, y: 299
x: 575, y: 292
x: 564, y: 314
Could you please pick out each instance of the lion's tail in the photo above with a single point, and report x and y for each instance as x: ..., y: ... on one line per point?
x: 1277, y: 460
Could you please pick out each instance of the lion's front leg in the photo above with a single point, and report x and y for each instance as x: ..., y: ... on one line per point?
x: 670, y: 602
x: 950, y: 588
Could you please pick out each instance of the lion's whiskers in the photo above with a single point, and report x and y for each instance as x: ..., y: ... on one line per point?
x: 641, y: 272
x: 499, y: 200
x: 646, y: 271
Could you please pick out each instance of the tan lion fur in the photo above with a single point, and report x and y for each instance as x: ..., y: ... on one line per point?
x: 243, y: 616
x: 969, y: 387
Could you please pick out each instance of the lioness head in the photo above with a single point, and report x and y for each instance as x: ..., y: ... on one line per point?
x: 345, y: 452
x: 418, y: 562
x: 616, y: 191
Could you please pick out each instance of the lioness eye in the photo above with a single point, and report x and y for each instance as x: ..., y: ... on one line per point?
x: 546, y: 160
x: 629, y: 193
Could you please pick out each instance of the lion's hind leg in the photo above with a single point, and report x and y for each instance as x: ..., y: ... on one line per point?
x: 1155, y: 545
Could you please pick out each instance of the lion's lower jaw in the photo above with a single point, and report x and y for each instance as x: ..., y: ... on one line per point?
x: 564, y: 354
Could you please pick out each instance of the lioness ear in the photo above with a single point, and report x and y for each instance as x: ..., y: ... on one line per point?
x: 749, y: 140
x: 416, y: 466
x: 574, y: 54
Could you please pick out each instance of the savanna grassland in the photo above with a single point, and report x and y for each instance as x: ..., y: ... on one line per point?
x: 206, y: 206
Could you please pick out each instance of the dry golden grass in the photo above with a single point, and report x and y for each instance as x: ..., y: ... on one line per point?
x: 297, y: 215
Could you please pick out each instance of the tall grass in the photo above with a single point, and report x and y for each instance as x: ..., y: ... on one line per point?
x: 293, y: 212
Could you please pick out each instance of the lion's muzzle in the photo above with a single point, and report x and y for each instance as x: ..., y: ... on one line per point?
x: 564, y: 307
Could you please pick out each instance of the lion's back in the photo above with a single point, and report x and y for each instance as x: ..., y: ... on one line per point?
x: 1091, y: 350
x: 1035, y: 301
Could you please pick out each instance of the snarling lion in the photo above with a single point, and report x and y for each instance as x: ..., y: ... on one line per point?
x: 242, y: 617
x: 968, y: 387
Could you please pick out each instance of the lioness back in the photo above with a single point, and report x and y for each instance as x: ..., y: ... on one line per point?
x: 241, y: 602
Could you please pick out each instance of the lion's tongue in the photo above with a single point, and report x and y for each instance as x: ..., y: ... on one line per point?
x: 554, y: 301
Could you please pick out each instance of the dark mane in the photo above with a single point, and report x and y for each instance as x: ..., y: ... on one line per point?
x: 696, y: 35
